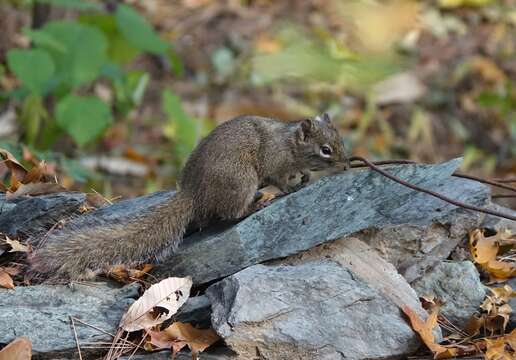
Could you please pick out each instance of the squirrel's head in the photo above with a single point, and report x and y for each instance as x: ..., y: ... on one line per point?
x: 320, y: 145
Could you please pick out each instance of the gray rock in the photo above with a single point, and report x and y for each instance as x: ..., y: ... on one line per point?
x: 368, y: 265
x: 209, y: 354
x: 29, y: 216
x: 496, y: 223
x: 424, y: 232
x: 512, y: 303
x: 334, y: 207
x: 196, y: 310
x: 43, y: 312
x: 458, y: 285
x: 314, y: 310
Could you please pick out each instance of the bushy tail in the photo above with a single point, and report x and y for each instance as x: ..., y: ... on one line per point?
x: 91, y: 244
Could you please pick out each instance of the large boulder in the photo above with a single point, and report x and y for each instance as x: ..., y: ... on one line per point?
x: 314, y: 310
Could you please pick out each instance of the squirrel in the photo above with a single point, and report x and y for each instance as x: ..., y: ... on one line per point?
x: 219, y: 181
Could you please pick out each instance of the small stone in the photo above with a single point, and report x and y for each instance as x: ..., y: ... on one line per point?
x: 458, y: 285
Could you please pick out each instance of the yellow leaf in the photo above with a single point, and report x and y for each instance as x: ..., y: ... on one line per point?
x: 424, y: 329
x: 483, y: 249
x: 5, y: 279
x: 19, y: 349
x: 447, y: 4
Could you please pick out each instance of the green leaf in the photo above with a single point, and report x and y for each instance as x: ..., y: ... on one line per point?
x: 85, y: 51
x: 181, y: 128
x: 120, y: 50
x: 138, y: 32
x: 33, y: 115
x: 73, y: 4
x: 83, y: 118
x: 33, y: 67
x: 43, y: 39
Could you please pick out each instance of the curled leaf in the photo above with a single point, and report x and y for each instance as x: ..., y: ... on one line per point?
x: 157, y: 304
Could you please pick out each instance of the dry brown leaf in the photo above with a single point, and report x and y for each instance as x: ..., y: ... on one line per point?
x: 502, y: 294
x: 157, y: 304
x: 502, y: 348
x: 180, y: 334
x: 483, y: 249
x: 17, y: 169
x: 424, y: 329
x: 488, y: 70
x: 34, y: 189
x: 36, y: 174
x: 6, y: 280
x: 474, y: 325
x: 16, y: 246
x: 123, y: 274
x: 18, y: 349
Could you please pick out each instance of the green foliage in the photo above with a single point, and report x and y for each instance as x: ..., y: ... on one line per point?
x: 184, y: 130
x: 305, y: 59
x: 73, y: 4
x: 84, y: 118
x: 138, y: 31
x: 85, y: 51
x: 34, y: 68
x: 67, y: 58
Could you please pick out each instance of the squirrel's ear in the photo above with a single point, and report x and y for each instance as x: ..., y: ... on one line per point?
x: 306, y: 127
x: 325, y: 118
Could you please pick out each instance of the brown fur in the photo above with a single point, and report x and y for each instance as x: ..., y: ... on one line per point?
x: 219, y: 181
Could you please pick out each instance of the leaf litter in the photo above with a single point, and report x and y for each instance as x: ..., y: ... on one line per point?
x: 485, y: 333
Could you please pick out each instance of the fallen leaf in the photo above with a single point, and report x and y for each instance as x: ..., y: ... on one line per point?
x: 180, y: 334
x: 157, y: 304
x: 16, y: 246
x: 35, y: 174
x: 34, y: 189
x: 502, y: 348
x: 483, y: 249
x: 424, y: 329
x: 18, y: 349
x: 488, y: 70
x: 502, y: 294
x: 123, y: 274
x: 5, y: 279
x: 474, y: 325
x: 17, y: 169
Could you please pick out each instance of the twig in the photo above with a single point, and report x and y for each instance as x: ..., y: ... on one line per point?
x: 101, y: 330
x: 496, y: 183
x: 508, y: 180
x: 76, y: 339
x: 485, y: 181
x: 432, y: 193
x: 502, y: 196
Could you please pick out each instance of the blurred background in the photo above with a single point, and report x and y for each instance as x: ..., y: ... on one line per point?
x: 113, y: 95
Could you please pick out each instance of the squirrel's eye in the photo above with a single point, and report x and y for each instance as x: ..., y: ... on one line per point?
x: 325, y: 151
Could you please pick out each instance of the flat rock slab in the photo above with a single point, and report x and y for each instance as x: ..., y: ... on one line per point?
x: 43, y: 312
x: 29, y: 216
x: 315, y: 310
x: 329, y: 209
